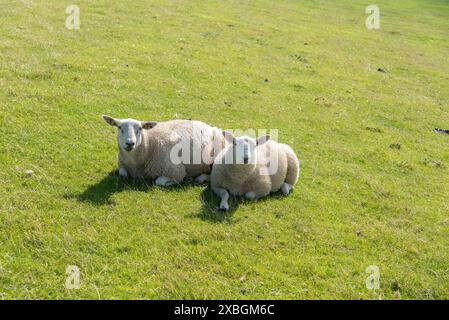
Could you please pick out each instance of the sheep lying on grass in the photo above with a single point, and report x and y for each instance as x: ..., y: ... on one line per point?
x: 253, y: 168
x: 152, y: 149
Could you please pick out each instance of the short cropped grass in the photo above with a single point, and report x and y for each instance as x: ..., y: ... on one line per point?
x: 358, y: 106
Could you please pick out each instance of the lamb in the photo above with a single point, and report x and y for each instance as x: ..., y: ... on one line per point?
x: 167, y: 151
x: 253, y: 168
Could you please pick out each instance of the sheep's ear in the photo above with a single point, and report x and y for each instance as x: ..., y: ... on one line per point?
x: 110, y: 121
x: 148, y: 124
x: 228, y: 136
x: 262, y: 139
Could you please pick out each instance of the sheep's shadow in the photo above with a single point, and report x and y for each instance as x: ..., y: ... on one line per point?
x: 210, y: 203
x: 101, y: 192
x: 209, y: 207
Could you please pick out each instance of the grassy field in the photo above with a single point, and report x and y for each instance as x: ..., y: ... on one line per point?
x: 374, y: 175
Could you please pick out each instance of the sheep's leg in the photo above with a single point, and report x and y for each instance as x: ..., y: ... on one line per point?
x: 164, y: 181
x: 122, y: 172
x: 286, y: 188
x: 250, y: 195
x: 224, y: 195
x: 174, y: 173
x: 202, y: 178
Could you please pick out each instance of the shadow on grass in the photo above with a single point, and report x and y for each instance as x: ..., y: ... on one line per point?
x: 210, y: 203
x: 209, y: 207
x: 101, y: 192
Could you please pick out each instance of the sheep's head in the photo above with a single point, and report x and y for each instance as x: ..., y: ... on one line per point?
x: 129, y: 134
x: 244, y: 148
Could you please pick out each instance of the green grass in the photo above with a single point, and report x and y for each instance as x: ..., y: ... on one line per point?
x: 307, y: 68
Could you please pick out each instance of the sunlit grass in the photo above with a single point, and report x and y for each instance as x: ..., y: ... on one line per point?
x: 373, y: 188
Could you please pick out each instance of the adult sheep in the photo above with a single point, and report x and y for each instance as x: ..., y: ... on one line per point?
x: 167, y: 151
x: 253, y: 168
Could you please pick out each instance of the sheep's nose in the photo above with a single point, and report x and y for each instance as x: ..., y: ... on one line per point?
x: 130, y: 143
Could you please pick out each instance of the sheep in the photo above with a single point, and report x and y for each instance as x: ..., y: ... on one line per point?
x: 167, y: 151
x: 249, y: 175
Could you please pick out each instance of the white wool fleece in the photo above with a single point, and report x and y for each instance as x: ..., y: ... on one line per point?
x: 246, y: 179
x: 150, y: 157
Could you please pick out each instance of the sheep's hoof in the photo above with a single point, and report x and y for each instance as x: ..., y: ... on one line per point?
x: 164, y: 181
x: 202, y: 178
x: 250, y: 195
x: 286, y: 188
x: 123, y: 173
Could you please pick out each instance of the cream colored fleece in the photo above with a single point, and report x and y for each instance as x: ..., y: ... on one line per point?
x: 151, y: 158
x: 239, y: 179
